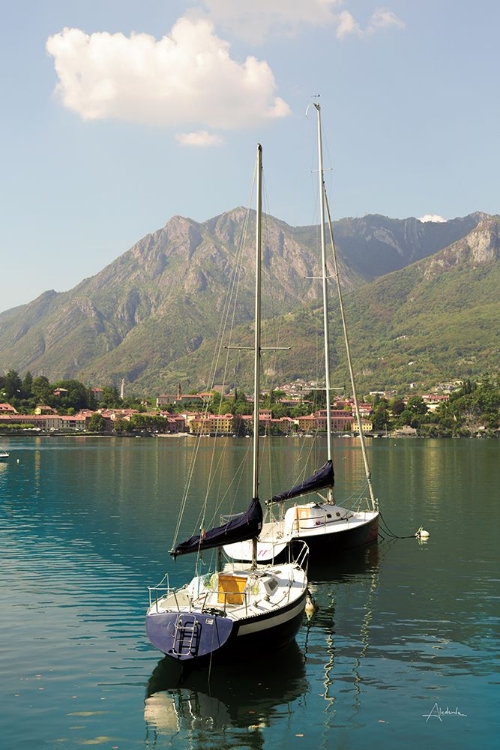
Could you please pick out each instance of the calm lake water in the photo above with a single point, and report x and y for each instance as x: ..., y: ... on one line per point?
x: 402, y: 652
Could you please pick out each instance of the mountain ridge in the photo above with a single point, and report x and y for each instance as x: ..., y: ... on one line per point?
x: 161, y: 300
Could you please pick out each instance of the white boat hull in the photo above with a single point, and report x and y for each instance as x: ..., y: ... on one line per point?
x: 318, y: 525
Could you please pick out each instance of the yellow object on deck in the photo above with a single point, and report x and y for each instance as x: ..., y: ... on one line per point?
x: 231, y: 589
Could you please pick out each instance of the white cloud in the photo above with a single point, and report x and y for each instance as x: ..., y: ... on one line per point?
x: 432, y: 217
x: 187, y: 77
x: 256, y: 20
x: 253, y: 21
x: 347, y: 26
x: 384, y: 19
x: 200, y: 139
x: 380, y: 20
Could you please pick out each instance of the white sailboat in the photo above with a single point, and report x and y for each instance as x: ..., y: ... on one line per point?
x: 327, y: 528
x: 238, y: 609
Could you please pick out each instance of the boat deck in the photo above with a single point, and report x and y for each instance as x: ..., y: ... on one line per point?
x: 238, y: 595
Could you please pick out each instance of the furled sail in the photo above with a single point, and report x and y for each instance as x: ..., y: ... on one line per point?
x: 239, y: 529
x: 321, y: 479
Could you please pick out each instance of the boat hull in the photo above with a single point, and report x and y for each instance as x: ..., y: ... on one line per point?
x: 325, y: 542
x: 196, y: 637
x: 330, y: 544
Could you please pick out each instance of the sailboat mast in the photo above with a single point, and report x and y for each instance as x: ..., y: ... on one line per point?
x: 257, y: 339
x: 324, y: 280
x: 257, y: 342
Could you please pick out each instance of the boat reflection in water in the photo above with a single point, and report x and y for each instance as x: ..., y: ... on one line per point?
x: 338, y: 634
x: 244, y: 696
x: 360, y: 563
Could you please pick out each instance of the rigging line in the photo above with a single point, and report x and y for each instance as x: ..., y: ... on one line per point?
x: 229, y: 309
x: 229, y: 305
x: 237, y: 477
x: 391, y: 534
x: 374, y: 501
x: 185, y: 493
x: 232, y: 308
x: 228, y: 314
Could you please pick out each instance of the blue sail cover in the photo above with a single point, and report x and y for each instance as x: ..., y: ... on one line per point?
x: 322, y: 478
x: 239, y: 529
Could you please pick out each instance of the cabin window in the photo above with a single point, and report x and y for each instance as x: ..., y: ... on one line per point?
x: 271, y: 585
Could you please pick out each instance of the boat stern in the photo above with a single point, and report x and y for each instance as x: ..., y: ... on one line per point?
x: 187, y: 636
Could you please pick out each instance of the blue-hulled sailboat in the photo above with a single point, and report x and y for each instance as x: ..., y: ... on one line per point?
x: 237, y: 610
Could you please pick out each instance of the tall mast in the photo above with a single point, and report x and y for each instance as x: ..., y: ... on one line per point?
x: 324, y: 282
x: 257, y: 339
x: 257, y: 350
x: 323, y: 201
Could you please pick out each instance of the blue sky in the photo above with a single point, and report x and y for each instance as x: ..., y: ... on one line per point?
x: 118, y: 115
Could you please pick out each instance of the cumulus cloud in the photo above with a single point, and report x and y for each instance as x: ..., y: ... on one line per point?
x: 432, y: 217
x: 256, y: 20
x: 186, y: 78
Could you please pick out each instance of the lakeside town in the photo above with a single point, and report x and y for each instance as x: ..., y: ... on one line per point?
x: 458, y: 408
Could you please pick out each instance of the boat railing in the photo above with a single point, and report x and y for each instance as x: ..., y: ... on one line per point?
x: 298, y: 553
x: 301, y: 554
x: 161, y: 589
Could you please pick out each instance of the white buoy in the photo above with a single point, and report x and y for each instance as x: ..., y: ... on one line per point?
x: 422, y: 534
x: 311, y: 607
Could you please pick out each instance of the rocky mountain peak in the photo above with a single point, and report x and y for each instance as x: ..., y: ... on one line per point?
x: 479, y: 247
x: 162, y: 299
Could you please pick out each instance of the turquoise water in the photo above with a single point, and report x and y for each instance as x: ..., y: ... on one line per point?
x: 402, y: 652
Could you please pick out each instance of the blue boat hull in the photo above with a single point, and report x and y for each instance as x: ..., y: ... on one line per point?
x: 196, y: 637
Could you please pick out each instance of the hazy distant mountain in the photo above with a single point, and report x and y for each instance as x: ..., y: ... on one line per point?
x: 150, y: 317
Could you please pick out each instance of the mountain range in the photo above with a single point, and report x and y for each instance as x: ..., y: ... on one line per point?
x: 421, y: 300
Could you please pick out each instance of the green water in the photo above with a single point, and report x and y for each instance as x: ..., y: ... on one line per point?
x: 402, y: 652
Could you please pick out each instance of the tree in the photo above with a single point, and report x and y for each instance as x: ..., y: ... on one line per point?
x: 76, y: 396
x: 239, y: 426
x: 396, y: 405
x: 317, y: 399
x: 301, y: 410
x: 215, y: 402
x: 407, y: 418
x: 226, y: 407
x: 242, y: 407
x: 416, y: 405
x: 12, y: 385
x: 97, y: 423
x: 278, y: 411
x: 27, y: 385
x: 111, y: 397
x: 42, y: 390
x: 121, y: 425
x: 380, y: 416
